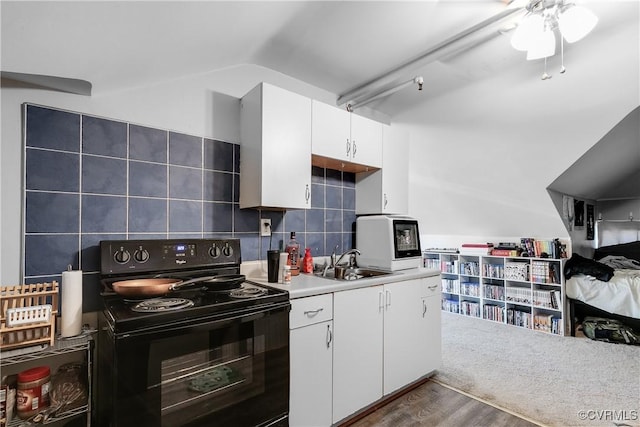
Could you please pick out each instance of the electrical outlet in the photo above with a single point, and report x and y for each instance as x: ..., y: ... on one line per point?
x: 265, y: 227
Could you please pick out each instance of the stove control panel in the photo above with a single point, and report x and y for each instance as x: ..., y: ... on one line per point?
x: 127, y: 256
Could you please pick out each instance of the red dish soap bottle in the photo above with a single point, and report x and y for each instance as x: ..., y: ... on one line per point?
x: 307, y: 261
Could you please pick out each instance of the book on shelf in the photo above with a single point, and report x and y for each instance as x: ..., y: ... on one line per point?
x: 450, y: 286
x: 476, y: 248
x: 519, y: 318
x: 516, y: 271
x: 518, y: 295
x: 542, y: 298
x: 504, y: 252
x: 471, y: 289
x: 442, y: 250
x: 542, y: 248
x: 495, y: 271
x: 556, y: 300
x: 493, y: 312
x: 450, y: 305
x: 470, y: 308
x: 547, y: 323
x: 510, y: 246
x: 545, y: 272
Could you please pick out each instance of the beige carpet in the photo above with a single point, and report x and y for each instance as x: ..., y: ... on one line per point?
x: 555, y: 381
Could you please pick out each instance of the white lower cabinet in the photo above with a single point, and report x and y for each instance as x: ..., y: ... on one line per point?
x: 357, y: 352
x: 386, y: 337
x: 412, y: 338
x: 311, y: 365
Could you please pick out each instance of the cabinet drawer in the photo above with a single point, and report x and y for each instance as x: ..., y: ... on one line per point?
x: 432, y: 286
x: 310, y: 310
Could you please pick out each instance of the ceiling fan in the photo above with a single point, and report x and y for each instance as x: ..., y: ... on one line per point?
x: 40, y: 81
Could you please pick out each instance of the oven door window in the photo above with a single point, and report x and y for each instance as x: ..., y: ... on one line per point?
x: 227, y: 373
x: 212, y: 372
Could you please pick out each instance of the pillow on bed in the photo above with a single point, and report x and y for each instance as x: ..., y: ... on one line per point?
x: 578, y: 264
x: 629, y: 250
x: 619, y: 262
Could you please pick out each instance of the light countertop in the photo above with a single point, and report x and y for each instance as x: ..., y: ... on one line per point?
x: 304, y: 285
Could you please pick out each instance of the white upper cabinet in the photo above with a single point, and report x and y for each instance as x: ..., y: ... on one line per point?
x: 330, y: 131
x: 366, y: 141
x: 275, y: 149
x: 385, y: 191
x: 339, y: 135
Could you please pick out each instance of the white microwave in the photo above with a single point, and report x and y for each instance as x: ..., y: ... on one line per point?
x: 390, y: 242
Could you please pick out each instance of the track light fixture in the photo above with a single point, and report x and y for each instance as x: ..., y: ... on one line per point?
x: 386, y: 92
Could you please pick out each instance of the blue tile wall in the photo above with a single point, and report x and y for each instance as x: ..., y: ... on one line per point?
x: 89, y: 179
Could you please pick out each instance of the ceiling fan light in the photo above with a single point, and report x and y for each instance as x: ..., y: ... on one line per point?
x: 543, y: 45
x: 576, y: 22
x: 530, y: 26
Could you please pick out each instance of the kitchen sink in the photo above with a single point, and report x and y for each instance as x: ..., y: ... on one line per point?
x: 353, y: 273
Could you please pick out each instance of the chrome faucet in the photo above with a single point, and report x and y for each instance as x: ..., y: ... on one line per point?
x: 332, y: 262
x: 335, y: 262
x: 351, y: 260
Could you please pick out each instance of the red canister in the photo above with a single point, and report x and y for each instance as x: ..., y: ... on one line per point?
x: 33, y: 391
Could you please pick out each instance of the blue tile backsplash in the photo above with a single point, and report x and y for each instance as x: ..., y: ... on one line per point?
x: 89, y: 179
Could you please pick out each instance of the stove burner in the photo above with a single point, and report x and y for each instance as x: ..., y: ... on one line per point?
x: 247, y: 291
x: 161, y: 304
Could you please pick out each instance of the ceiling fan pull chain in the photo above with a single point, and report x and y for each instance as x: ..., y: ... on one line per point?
x: 562, y: 69
x: 545, y: 76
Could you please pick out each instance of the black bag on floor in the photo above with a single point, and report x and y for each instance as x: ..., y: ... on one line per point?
x: 609, y: 330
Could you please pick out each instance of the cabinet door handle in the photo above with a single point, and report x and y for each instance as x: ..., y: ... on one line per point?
x: 387, y: 299
x: 353, y: 152
x: 385, y: 200
x: 313, y: 312
x: 329, y: 336
x: 380, y: 301
x: 424, y: 308
x: 348, y: 147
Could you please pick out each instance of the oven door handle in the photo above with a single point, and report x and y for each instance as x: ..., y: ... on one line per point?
x: 215, y: 321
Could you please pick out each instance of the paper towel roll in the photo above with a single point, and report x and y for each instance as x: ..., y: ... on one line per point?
x: 71, y: 318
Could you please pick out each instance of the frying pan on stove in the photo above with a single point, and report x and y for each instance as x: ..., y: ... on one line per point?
x: 161, y: 286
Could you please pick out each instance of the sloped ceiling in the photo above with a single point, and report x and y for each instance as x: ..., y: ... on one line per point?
x: 619, y: 178
x: 333, y: 45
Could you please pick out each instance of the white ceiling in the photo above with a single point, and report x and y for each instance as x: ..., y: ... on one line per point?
x: 333, y: 45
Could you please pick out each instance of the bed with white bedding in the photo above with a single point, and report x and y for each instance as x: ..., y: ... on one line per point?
x: 606, y: 286
x: 620, y: 295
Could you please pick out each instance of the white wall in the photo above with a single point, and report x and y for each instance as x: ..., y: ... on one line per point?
x: 482, y: 157
x: 204, y: 105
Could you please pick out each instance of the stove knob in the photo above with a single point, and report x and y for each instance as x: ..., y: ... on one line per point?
x: 227, y: 250
x: 122, y: 256
x: 214, y: 251
x: 141, y: 255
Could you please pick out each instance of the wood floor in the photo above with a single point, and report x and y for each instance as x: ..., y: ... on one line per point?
x: 433, y: 404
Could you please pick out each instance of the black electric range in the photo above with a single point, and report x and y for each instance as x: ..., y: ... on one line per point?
x: 182, y: 259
